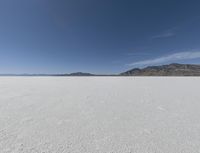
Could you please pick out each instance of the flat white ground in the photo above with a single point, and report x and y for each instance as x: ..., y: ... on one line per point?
x: 99, y: 115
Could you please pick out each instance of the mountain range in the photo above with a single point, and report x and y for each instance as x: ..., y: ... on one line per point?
x: 173, y: 69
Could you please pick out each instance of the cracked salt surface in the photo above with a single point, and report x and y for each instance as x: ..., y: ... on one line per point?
x: 99, y: 115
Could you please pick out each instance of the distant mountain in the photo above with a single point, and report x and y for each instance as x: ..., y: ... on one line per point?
x: 80, y: 74
x: 71, y: 74
x: 173, y: 69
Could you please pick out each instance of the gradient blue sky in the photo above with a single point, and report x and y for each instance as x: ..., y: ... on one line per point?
x: 97, y: 36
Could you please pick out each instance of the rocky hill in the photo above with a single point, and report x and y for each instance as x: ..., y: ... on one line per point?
x: 173, y: 69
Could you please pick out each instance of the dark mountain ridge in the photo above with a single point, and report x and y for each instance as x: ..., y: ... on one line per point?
x: 80, y: 74
x: 173, y: 69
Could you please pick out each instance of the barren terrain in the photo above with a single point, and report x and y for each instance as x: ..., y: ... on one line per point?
x: 99, y: 114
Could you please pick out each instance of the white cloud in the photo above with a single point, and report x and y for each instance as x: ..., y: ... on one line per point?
x: 138, y: 54
x: 165, y: 34
x: 170, y: 58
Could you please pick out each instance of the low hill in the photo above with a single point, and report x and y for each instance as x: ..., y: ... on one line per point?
x: 80, y: 74
x: 173, y: 69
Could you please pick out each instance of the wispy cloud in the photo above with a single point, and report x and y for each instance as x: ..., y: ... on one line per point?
x: 138, y: 54
x: 165, y: 34
x: 170, y: 58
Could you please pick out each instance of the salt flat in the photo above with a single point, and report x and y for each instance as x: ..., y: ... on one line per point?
x: 99, y: 115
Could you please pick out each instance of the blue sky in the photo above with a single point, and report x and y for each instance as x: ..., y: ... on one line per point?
x: 97, y: 36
